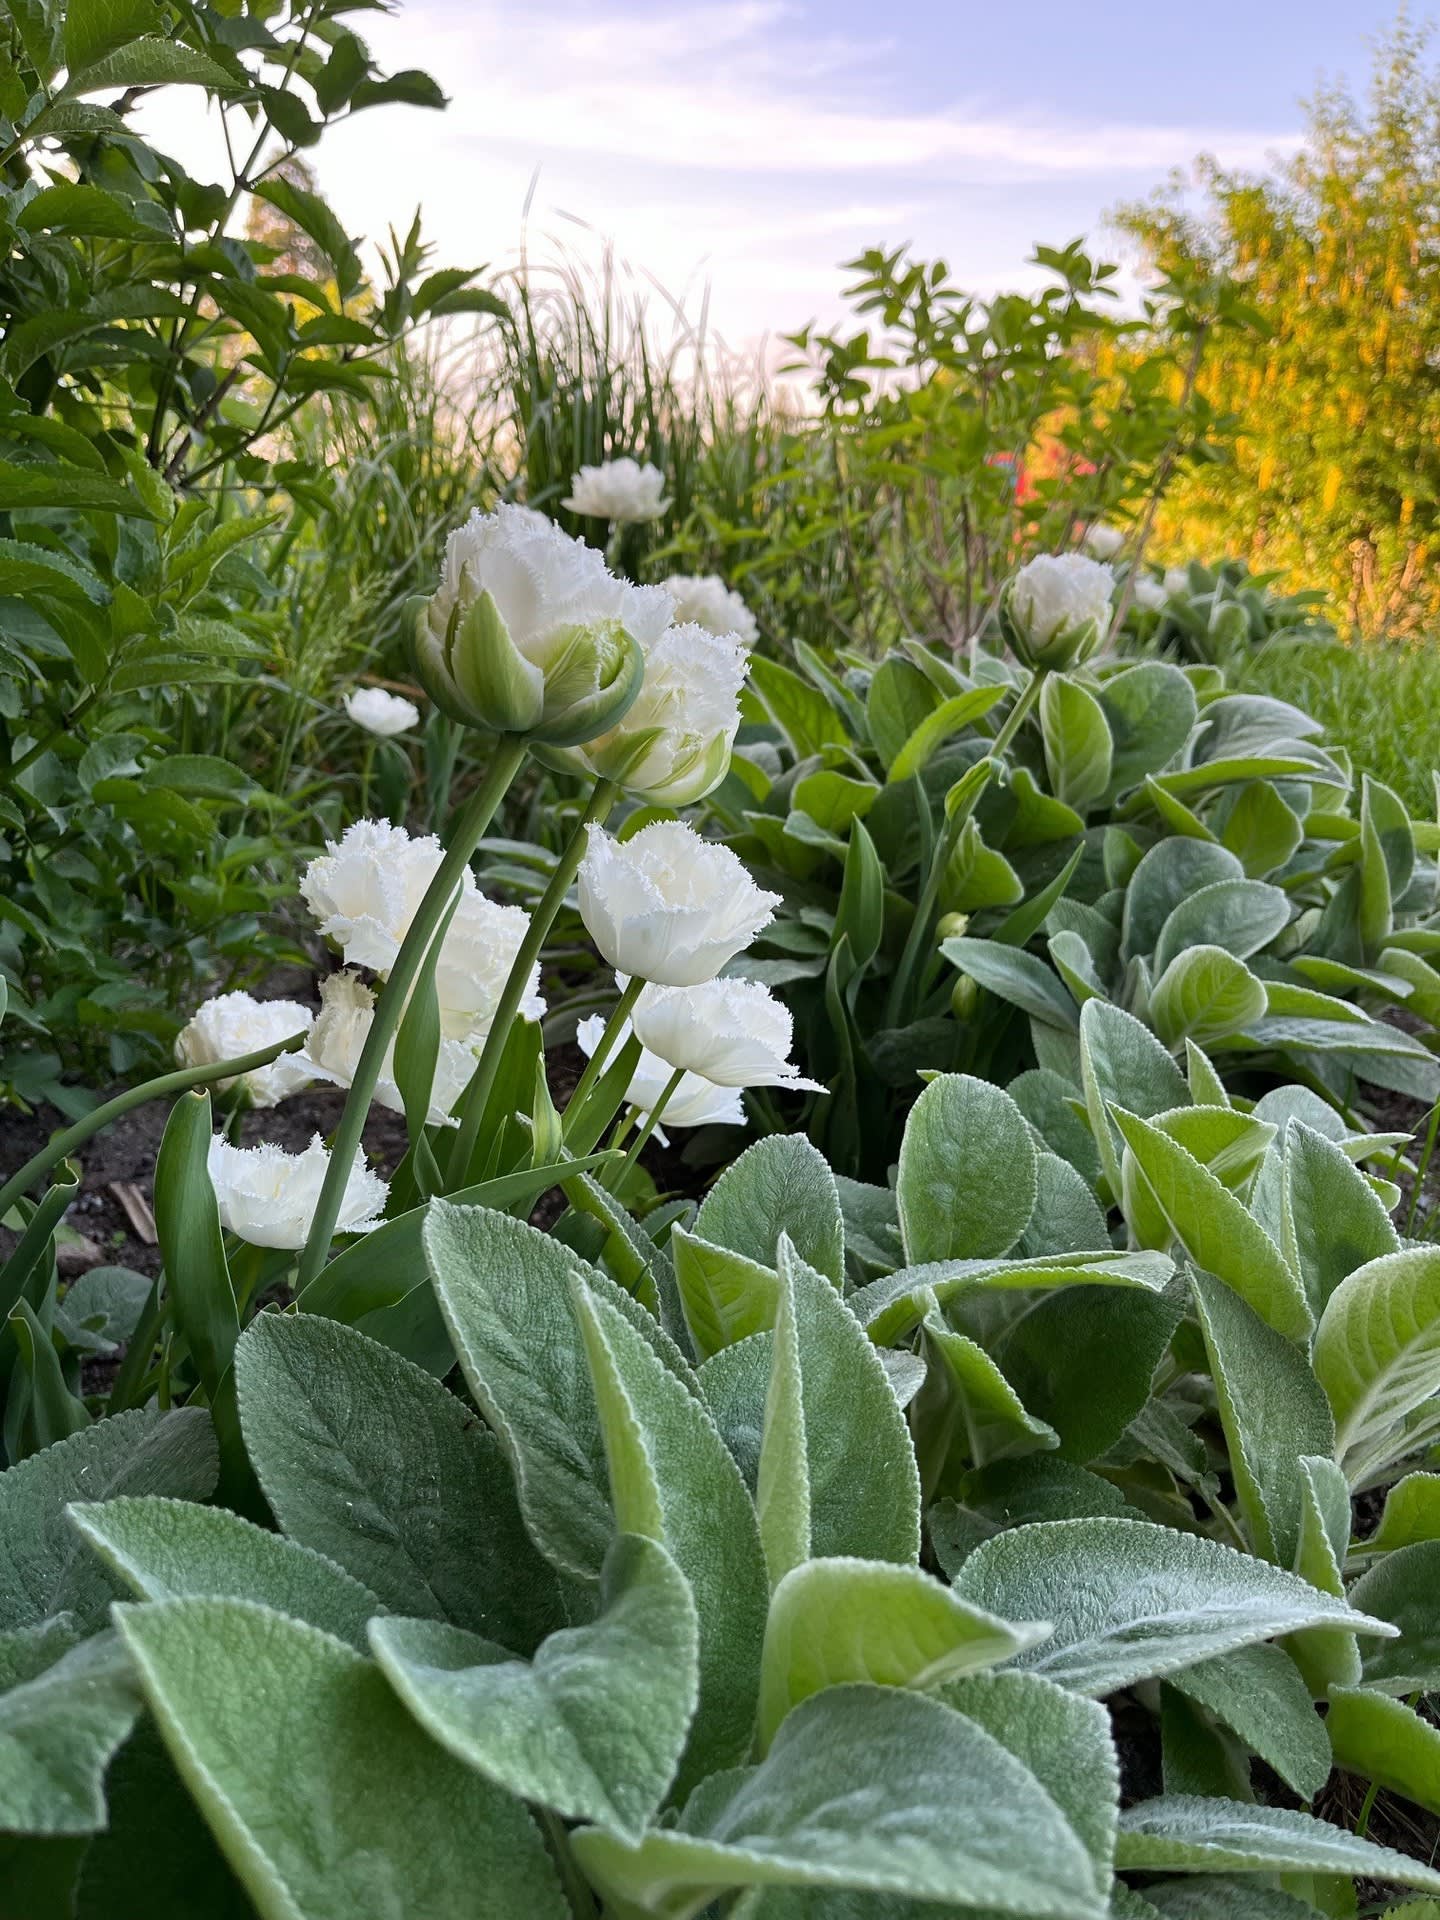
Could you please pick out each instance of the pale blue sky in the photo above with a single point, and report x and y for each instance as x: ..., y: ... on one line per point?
x: 751, y: 145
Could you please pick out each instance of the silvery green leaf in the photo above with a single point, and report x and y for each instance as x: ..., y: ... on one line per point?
x: 889, y: 1308
x: 779, y: 1185
x: 1401, y: 1588
x: 966, y: 1183
x: 1261, y: 830
x: 1123, y: 1064
x: 1412, y: 1513
x: 1067, y: 1217
x: 1078, y: 748
x: 1377, y: 1355
x: 1205, y: 1896
x: 1180, y: 1832
x: 1071, y: 959
x: 735, y: 1382
x: 725, y: 1296
x: 1169, y: 874
x: 969, y: 1403
x: 58, y: 1728
x: 1205, y: 994
x: 1150, y: 709
x: 1013, y: 975
x: 1385, y: 1741
x: 1326, y: 1656
x: 1239, y: 915
x: 1048, y: 1103
x: 1130, y: 1600
x: 1258, y: 1693
x: 1334, y: 1222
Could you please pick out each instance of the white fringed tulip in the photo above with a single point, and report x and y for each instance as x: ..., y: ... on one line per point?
x: 704, y: 600
x: 1056, y: 611
x: 475, y: 960
x: 347, y: 1009
x: 1104, y: 541
x: 618, y: 490
x: 1149, y: 593
x: 1177, y: 581
x: 696, y: 1102
x: 268, y: 1196
x: 733, y: 1032
x: 673, y: 745
x: 233, y: 1024
x: 529, y: 632
x: 667, y: 905
x: 364, y: 891
x: 379, y: 712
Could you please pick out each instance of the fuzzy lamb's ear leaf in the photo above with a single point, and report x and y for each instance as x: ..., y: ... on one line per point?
x: 1385, y: 1741
x: 1412, y: 1513
x: 1259, y: 1694
x: 725, y: 1296
x: 833, y: 1621
x: 593, y: 1727
x: 367, y: 1460
x: 61, y: 1719
x: 1401, y: 1588
x: 967, y: 1182
x: 780, y: 1185
x: 1334, y: 1221
x: 1205, y: 994
x: 1123, y: 1064
x: 793, y: 1821
x: 1180, y: 1832
x: 1238, y: 916
x: 1206, y: 1896
x: 1171, y: 872
x: 314, y: 1779
x: 1130, y: 1600
x: 1377, y: 1355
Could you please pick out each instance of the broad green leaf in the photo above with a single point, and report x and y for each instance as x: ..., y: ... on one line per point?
x: 1239, y: 916
x: 695, y: 1503
x: 1167, y: 876
x: 1048, y: 1103
x: 1261, y: 830
x: 978, y: 876
x: 1272, y: 1409
x: 1412, y: 1513
x: 153, y: 62
x: 1015, y: 976
x: 1197, y: 1754
x: 169, y: 1549
x: 593, y: 1727
x: 44, y: 1567
x: 1205, y: 994
x: 780, y: 1185
x: 96, y: 27
x: 889, y: 1308
x: 966, y: 1183
x: 1377, y: 1355
x: 1129, y: 1600
x: 725, y: 1296
x: 1067, y: 1216
x: 1215, y: 1229
x: 1123, y: 1064
x: 833, y: 1621
x: 327, y: 1799
x: 1334, y: 1221
x: 368, y: 1461
x: 1385, y: 1741
x: 1205, y: 1896
x: 735, y: 1382
x: 967, y: 1401
x: 1207, y: 1089
x: 1018, y: 1493
x: 898, y: 699
x: 1387, y: 860
x: 801, y: 712
x: 1150, y: 709
x: 1078, y: 748
x: 58, y: 1730
x: 952, y: 716
x: 794, y: 1820
x: 1401, y: 1588
x: 1258, y: 1693
x: 1180, y: 1833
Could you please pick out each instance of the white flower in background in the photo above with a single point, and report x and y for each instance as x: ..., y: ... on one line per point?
x: 696, y: 1102
x: 1104, y: 541
x: 733, y: 1032
x: 479, y: 948
x: 673, y: 745
x: 667, y: 905
x: 268, y: 1196
x: 231, y: 1025
x: 530, y: 632
x: 704, y: 600
x: 347, y: 1009
x: 377, y: 711
x: 366, y: 889
x: 1056, y: 611
x: 618, y: 490
x: 1149, y: 593
x: 1177, y: 581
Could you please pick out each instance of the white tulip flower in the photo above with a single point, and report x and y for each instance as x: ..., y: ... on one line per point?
x: 379, y: 712
x: 1104, y: 541
x: 233, y: 1024
x: 696, y: 1102
x: 618, y: 490
x: 347, y: 1010
x: 476, y: 955
x: 667, y: 905
x: 674, y: 744
x: 704, y: 600
x: 733, y: 1032
x: 1056, y: 611
x: 364, y: 891
x: 529, y: 631
x: 268, y: 1197
x: 1149, y: 593
x: 1177, y: 581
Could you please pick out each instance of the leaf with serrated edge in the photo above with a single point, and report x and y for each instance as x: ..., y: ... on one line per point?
x: 1180, y: 1833
x: 1377, y: 1355
x: 1258, y: 1693
x: 966, y: 1180
x: 1401, y: 1588
x: 1385, y: 1741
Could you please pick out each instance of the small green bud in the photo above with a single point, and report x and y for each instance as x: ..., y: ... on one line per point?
x: 963, y: 996
x: 952, y: 925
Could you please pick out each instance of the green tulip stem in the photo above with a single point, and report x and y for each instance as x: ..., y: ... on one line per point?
x: 595, y: 1066
x: 470, y: 825
x: 637, y: 1146
x: 542, y: 919
x: 64, y: 1144
x: 919, y: 937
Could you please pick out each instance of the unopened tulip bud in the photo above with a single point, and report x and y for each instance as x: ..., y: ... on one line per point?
x: 1056, y: 611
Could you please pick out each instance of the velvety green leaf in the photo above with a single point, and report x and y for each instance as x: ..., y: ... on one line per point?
x: 891, y: 1307
x: 1259, y: 1694
x: 725, y: 1296
x: 1412, y: 1513
x: 1078, y: 747
x: 369, y: 1462
x: 1015, y: 976
x: 1401, y: 1588
x: 1150, y: 709
x: 780, y: 1185
x: 327, y: 1799
x: 1046, y: 1102
x: 1179, y: 1832
x: 735, y: 1382
x: 1239, y: 916
x: 794, y: 1819
x: 57, y: 1733
x: 1385, y: 1741
x: 1170, y: 873
x: 593, y: 1727
x: 1327, y: 1656
x: 1123, y: 1064
x: 1377, y: 1355
x: 1067, y: 1217
x: 1334, y: 1221
x: 1205, y: 994
x: 966, y: 1183
x: 1205, y: 1896
x: 1129, y: 1600
x: 968, y: 1403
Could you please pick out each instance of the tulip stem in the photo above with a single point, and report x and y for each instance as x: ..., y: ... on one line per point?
x: 595, y: 1066
x: 542, y: 919
x: 468, y: 829
x: 920, y: 927
x: 639, y: 1143
x: 64, y: 1144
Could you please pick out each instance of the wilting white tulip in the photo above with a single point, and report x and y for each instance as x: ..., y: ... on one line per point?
x: 347, y: 1009
x: 673, y: 746
x: 734, y: 1032
x: 667, y: 905
x: 1148, y: 593
x: 704, y: 600
x: 618, y: 490
x: 268, y: 1196
x: 232, y: 1024
x: 476, y: 955
x: 364, y: 891
x: 696, y: 1102
x: 1177, y: 581
x: 529, y: 632
x: 1056, y: 610
x: 1104, y: 541
x: 379, y: 712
